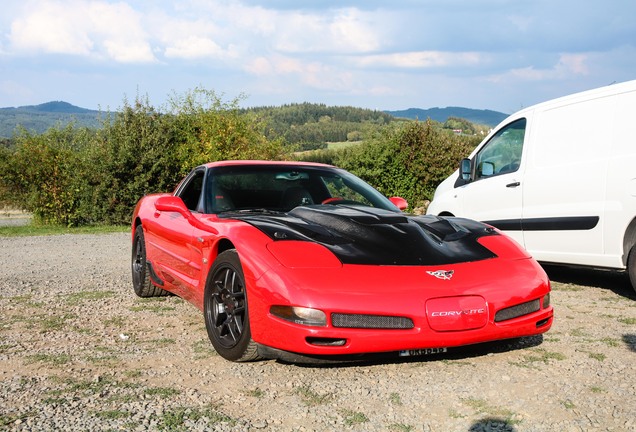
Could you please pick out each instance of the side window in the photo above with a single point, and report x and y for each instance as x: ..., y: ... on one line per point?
x: 191, y: 193
x: 340, y: 190
x: 502, y: 154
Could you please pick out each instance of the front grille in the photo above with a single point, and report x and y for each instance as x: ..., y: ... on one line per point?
x: 370, y: 321
x: 517, y: 311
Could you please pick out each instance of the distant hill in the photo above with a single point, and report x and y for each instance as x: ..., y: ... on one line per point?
x: 39, y: 118
x: 307, y: 121
x: 483, y: 117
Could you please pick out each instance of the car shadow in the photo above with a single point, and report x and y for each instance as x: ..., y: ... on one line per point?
x: 615, y: 281
x: 630, y: 341
x: 456, y: 353
x: 492, y: 424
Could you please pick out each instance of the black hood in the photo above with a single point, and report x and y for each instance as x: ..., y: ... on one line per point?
x: 367, y: 235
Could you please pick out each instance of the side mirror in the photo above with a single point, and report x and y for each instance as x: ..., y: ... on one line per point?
x: 172, y: 204
x: 465, y: 169
x: 399, y: 203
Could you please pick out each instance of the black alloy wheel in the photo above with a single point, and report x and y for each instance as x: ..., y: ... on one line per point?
x: 225, y: 309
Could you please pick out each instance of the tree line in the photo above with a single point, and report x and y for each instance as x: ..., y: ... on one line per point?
x: 79, y: 176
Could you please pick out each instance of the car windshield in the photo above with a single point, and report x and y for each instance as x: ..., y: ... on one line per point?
x: 282, y: 188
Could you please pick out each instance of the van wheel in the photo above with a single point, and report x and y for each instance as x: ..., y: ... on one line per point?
x: 631, y: 266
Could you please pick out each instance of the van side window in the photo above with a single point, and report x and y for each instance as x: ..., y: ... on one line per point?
x: 502, y: 154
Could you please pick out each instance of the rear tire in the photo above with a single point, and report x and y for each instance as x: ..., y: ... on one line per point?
x: 631, y: 266
x: 225, y: 310
x: 140, y: 274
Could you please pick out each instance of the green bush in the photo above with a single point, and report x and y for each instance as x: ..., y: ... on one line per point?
x: 74, y: 176
x: 407, y: 159
x: 45, y: 174
x: 78, y: 177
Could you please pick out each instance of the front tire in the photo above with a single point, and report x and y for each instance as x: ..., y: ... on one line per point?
x: 631, y: 266
x: 140, y: 275
x: 225, y: 310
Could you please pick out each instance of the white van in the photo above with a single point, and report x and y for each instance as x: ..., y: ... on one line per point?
x: 559, y: 177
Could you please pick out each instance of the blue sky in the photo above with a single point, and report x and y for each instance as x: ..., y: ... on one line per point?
x: 381, y: 54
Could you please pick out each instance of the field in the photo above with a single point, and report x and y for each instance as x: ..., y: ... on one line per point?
x: 78, y: 350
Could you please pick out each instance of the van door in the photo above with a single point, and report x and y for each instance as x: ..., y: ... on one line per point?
x: 495, y: 193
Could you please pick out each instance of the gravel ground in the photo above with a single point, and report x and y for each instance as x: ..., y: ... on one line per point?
x: 78, y: 351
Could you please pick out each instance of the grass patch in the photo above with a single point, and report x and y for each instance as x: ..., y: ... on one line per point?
x: 257, y: 393
x: 135, y: 373
x: 483, y: 407
x: 597, y: 356
x: 628, y: 321
x: 54, y: 323
x: 311, y: 398
x: 395, y: 399
x: 539, y: 356
x: 568, y: 404
x: 6, y: 420
x: 53, y: 359
x: 578, y: 332
x: 400, y: 427
x: 44, y: 230
x: 5, y: 347
x: 175, y: 420
x: 25, y: 300
x: 150, y: 305
x: 162, y: 392
x: 161, y: 342
x: 353, y: 417
x: 116, y: 321
x: 203, y: 349
x: 55, y: 401
x: 81, y: 296
x: 611, y: 342
x: 597, y: 390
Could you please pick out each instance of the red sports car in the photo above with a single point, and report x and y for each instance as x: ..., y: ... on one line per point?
x: 306, y: 260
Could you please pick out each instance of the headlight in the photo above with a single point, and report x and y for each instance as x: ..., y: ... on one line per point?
x: 546, y: 301
x: 300, y: 315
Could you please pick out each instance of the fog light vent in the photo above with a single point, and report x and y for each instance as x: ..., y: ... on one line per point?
x: 370, y: 321
x: 325, y: 341
x: 517, y: 311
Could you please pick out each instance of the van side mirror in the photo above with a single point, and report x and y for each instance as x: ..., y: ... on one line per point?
x: 465, y: 169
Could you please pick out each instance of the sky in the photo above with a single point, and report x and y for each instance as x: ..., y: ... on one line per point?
x: 501, y: 55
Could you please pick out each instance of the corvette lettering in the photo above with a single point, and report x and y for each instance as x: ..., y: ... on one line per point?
x: 442, y: 274
x: 458, y: 312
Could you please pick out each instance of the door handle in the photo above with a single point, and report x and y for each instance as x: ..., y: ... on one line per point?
x: 513, y: 184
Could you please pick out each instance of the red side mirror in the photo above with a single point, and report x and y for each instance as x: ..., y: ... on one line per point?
x: 172, y: 204
x: 399, y: 203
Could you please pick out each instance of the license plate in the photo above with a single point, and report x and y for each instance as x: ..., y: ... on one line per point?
x: 420, y: 352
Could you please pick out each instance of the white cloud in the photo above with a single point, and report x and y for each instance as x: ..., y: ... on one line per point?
x: 567, y: 67
x: 421, y: 60
x: 82, y: 28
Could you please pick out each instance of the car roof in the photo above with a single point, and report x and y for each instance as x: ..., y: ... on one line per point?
x: 264, y: 163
